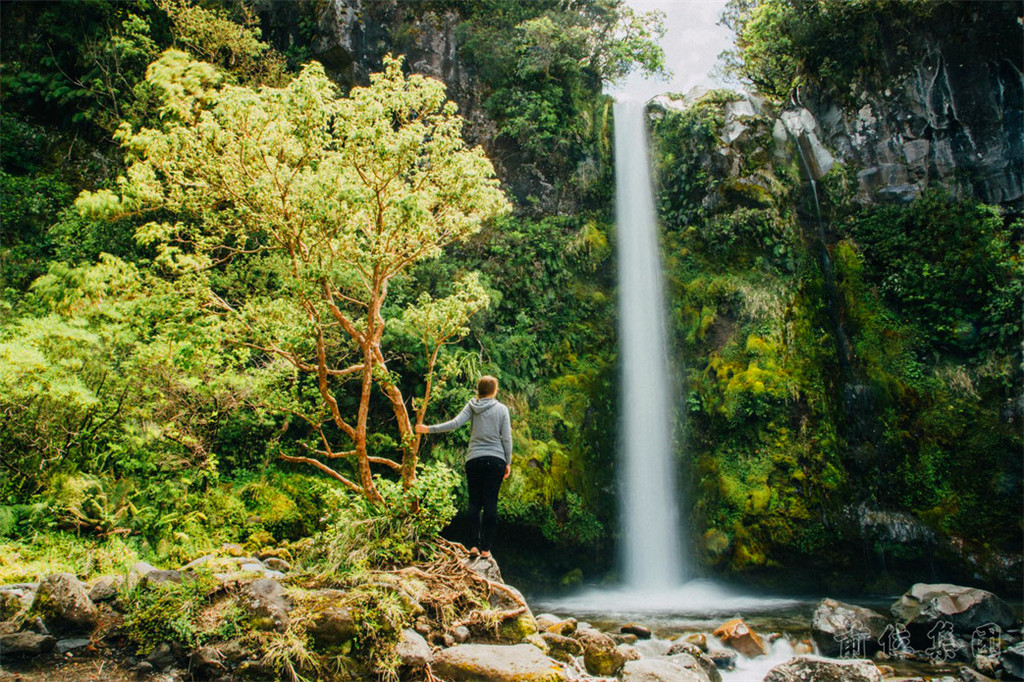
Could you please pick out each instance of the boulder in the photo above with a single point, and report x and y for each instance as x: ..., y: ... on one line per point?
x: 413, y: 651
x: 662, y: 670
x: 564, y: 627
x: 966, y: 608
x: 72, y: 644
x: 14, y: 599
x: 546, y: 620
x: 25, y: 644
x: 722, y: 658
x: 266, y: 602
x: 496, y: 663
x: 1013, y: 660
x: 820, y: 669
x: 740, y: 637
x: 105, y: 588
x: 835, y: 625
x: 641, y: 631
x: 601, y: 657
x: 561, y: 648
x: 332, y: 624
x: 64, y: 605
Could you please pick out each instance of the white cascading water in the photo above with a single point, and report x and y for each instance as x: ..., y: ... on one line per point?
x: 651, y: 545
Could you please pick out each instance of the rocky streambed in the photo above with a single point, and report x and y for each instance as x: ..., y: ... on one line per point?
x: 253, y: 618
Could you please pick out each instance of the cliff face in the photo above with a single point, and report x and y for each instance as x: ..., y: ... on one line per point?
x: 951, y: 122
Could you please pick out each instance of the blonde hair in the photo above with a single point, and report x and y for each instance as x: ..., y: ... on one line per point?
x: 486, y: 387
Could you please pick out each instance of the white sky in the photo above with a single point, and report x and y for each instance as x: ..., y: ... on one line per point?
x: 692, y: 43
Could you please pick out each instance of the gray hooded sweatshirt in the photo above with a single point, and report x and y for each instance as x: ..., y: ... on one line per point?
x: 492, y: 429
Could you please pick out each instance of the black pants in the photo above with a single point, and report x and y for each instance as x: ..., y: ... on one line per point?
x: 484, y: 476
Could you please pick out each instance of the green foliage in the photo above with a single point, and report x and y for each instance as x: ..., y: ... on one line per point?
x: 948, y: 267
x: 361, y: 536
x: 782, y: 44
x: 170, y: 612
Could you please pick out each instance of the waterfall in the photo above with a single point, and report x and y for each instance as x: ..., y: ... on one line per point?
x: 651, y: 545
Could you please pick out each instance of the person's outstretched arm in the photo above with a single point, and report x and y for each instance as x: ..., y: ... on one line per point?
x: 452, y: 424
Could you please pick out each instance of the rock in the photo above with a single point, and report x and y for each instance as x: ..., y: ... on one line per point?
x: 460, y: 634
x: 637, y: 629
x: 723, y: 658
x: 164, y: 655
x: 966, y: 608
x: 413, y: 651
x: 563, y: 627
x: 631, y: 653
x: 265, y: 600
x: 333, y: 625
x: 661, y: 670
x: 835, y: 625
x: 14, y: 599
x: 740, y: 637
x: 25, y: 644
x: 206, y: 663
x: 969, y: 675
x: 600, y: 655
x: 819, y: 669
x: 561, y: 648
x: 546, y: 620
x: 277, y: 564
x: 537, y: 641
x: 64, y: 606
x: 684, y: 647
x: 161, y: 576
x: 105, y: 588
x: 1013, y: 660
x: 698, y: 639
x: 71, y: 644
x: 496, y: 663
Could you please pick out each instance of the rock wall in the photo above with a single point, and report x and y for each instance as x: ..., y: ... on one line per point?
x: 951, y: 122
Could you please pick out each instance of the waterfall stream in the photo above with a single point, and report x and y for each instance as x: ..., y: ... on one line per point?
x: 651, y: 546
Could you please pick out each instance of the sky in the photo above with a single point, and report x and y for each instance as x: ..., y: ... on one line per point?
x: 692, y: 43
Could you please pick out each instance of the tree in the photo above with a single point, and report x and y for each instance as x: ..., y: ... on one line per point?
x: 333, y: 197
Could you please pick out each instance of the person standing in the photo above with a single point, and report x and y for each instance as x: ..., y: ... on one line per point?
x: 488, y: 459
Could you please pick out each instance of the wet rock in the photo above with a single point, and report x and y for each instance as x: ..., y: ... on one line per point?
x: 265, y: 600
x: 819, y: 669
x: 413, y: 651
x: 641, y: 631
x: 25, y: 644
x: 834, y: 622
x: 564, y: 627
x: 72, y: 644
x: 662, y: 670
x: 496, y: 663
x: 561, y: 648
x: 600, y: 655
x: 722, y: 658
x: 740, y: 637
x: 966, y: 608
x: 206, y: 663
x: 64, y: 605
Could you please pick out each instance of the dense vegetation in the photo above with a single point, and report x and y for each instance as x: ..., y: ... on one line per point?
x: 144, y: 422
